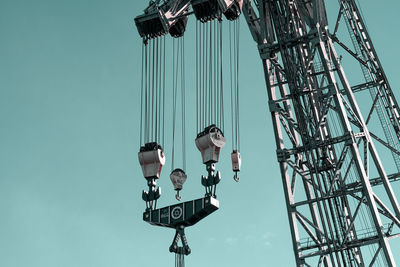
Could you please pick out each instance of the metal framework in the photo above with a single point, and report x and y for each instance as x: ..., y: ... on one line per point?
x: 328, y: 160
x: 341, y: 207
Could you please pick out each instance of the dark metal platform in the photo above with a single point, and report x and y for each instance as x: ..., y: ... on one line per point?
x: 187, y: 213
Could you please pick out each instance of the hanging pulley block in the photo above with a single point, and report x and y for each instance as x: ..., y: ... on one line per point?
x: 206, y: 10
x: 209, y: 142
x: 178, y: 178
x: 151, y: 159
x: 236, y: 163
x: 159, y: 19
x: 236, y: 160
x: 151, y: 25
x: 234, y: 10
x: 178, y: 29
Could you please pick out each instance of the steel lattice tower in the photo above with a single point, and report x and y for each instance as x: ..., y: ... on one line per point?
x: 330, y: 167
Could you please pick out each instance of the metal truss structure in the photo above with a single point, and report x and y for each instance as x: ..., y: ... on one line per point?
x: 341, y: 206
x: 330, y: 167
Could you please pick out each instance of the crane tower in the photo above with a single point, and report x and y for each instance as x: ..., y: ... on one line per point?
x: 323, y: 144
x: 340, y: 202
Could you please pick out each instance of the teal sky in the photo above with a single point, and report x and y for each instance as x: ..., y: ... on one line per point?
x: 70, y: 182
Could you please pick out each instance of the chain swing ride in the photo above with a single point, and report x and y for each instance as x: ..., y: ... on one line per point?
x: 340, y: 203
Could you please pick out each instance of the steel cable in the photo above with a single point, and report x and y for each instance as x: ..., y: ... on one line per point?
x: 163, y: 108
x: 152, y: 92
x: 221, y: 95
x: 234, y: 82
x: 183, y: 100
x: 209, y: 79
x: 197, y: 76
x: 178, y: 85
x: 146, y: 121
x: 141, y: 96
x: 156, y: 90
x: 174, y: 90
x: 237, y: 84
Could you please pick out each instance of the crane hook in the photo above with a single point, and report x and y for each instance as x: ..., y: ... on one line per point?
x: 177, y: 196
x: 235, y: 177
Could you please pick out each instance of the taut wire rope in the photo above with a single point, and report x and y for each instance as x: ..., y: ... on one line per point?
x: 178, y: 85
x: 209, y: 79
x: 152, y: 93
x: 234, y: 82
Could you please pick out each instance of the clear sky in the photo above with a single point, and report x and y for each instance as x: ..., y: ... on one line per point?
x: 70, y: 182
